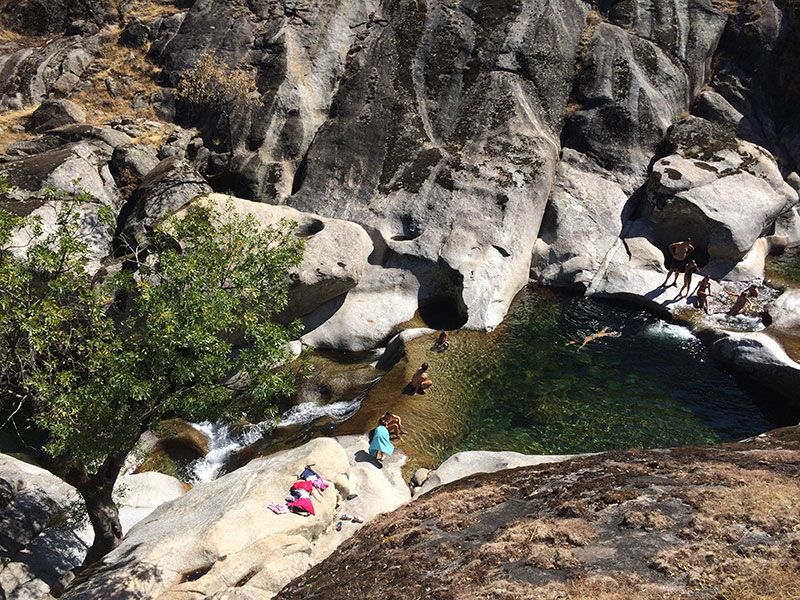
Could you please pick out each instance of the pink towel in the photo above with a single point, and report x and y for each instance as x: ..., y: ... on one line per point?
x: 302, y: 504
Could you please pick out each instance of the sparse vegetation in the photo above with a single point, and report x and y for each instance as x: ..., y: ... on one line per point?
x: 124, y: 69
x: 213, y: 88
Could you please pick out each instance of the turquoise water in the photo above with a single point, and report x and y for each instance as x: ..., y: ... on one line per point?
x: 653, y: 386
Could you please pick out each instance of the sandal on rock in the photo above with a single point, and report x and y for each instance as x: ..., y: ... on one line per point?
x: 357, y: 519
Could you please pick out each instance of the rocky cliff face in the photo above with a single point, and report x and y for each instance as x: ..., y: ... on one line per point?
x: 690, y: 523
x: 477, y: 143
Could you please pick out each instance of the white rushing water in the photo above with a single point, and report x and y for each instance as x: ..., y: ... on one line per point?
x: 221, y: 445
x: 662, y: 329
x: 309, y: 411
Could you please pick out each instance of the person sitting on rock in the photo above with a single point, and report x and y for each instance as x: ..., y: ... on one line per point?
x: 703, y: 293
x: 420, y: 380
x: 679, y: 253
x: 394, y: 424
x: 691, y: 268
x: 442, y: 343
x: 380, y: 446
x: 743, y: 301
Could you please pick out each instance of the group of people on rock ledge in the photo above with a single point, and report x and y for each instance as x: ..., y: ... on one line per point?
x: 391, y: 425
x: 680, y: 261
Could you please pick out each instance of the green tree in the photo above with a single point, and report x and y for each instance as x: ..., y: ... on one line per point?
x: 88, y: 364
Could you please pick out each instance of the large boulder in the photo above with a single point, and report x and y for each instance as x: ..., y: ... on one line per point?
x: 368, y: 315
x: 55, y: 113
x: 723, y: 192
x: 582, y: 223
x: 639, y: 71
x: 461, y: 135
x: 762, y: 359
x: 464, y: 464
x: 785, y: 310
x: 220, y: 540
x: 54, y: 16
x: 335, y: 252
x: 168, y: 187
x: 35, y: 552
x: 31, y: 74
x: 718, y: 521
x: 38, y: 543
x: 70, y: 169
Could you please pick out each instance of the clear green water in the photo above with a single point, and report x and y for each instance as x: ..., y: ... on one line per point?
x: 653, y: 386
x: 784, y: 268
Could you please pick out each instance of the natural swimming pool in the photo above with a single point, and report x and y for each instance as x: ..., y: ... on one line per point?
x: 523, y: 388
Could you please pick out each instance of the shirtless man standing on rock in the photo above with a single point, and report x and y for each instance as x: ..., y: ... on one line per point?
x: 679, y: 255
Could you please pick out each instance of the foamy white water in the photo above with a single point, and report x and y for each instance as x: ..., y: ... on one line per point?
x: 309, y: 411
x: 220, y: 447
x: 670, y: 330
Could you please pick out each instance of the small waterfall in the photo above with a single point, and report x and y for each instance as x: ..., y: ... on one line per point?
x: 221, y: 444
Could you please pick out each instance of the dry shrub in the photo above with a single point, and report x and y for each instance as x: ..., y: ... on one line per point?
x: 148, y: 10
x: 730, y: 7
x: 770, y: 506
x: 777, y: 581
x: 456, y: 522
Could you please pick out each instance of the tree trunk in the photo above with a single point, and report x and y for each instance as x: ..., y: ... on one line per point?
x: 97, y: 490
x: 104, y: 516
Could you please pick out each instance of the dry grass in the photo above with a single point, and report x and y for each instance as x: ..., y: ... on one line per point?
x: 764, y: 584
x: 118, y: 63
x: 148, y: 10
x: 9, y: 119
x: 729, y: 7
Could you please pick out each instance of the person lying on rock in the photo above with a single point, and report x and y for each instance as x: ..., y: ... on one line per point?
x: 743, y: 301
x: 380, y: 446
x: 442, y: 344
x: 420, y: 380
x: 679, y: 253
x: 394, y: 424
x: 703, y: 293
x: 604, y: 332
x: 691, y: 268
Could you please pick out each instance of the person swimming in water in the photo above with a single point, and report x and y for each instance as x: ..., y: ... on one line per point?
x: 604, y: 332
x: 442, y: 344
x: 394, y: 424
